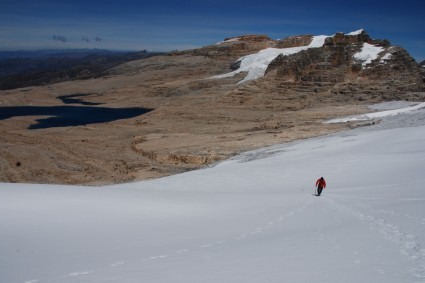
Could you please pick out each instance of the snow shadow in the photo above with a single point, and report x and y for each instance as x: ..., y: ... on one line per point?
x: 69, y: 116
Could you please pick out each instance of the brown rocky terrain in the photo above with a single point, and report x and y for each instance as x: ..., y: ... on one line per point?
x: 164, y: 115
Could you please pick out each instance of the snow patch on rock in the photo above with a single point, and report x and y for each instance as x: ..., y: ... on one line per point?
x: 357, y: 32
x: 368, y: 53
x: 256, y: 64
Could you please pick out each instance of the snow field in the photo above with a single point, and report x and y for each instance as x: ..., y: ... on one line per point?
x: 249, y: 219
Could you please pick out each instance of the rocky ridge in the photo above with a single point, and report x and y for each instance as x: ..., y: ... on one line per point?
x: 338, y: 62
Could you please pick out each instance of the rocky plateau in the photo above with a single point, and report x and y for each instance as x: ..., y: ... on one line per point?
x: 166, y: 114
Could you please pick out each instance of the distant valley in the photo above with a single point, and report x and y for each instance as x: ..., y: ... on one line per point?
x: 27, y: 68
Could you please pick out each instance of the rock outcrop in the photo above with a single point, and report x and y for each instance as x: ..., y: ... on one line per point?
x: 337, y: 66
x: 294, y: 41
x: 231, y: 47
x: 422, y: 64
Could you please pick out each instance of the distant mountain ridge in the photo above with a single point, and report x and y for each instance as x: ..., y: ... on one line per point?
x: 27, y: 68
x: 71, y: 53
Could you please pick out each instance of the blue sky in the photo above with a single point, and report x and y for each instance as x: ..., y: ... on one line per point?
x: 161, y: 25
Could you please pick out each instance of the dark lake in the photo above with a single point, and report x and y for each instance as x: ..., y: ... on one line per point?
x: 68, y: 116
x: 76, y: 98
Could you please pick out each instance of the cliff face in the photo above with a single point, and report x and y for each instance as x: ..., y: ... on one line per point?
x: 340, y: 61
x: 294, y: 41
x: 422, y: 64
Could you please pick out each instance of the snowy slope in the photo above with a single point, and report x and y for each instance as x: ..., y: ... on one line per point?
x: 249, y: 219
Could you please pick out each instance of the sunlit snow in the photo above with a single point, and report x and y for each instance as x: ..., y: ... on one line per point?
x: 228, y: 40
x: 357, y: 32
x: 386, y: 57
x: 368, y: 53
x: 376, y: 115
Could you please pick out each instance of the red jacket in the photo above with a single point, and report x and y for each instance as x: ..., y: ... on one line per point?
x: 321, y: 183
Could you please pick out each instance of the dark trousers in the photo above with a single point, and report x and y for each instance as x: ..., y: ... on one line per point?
x: 319, y: 190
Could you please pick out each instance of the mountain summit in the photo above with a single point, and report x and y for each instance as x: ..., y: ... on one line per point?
x: 325, y: 61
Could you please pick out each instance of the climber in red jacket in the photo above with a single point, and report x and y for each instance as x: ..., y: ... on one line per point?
x: 320, y: 184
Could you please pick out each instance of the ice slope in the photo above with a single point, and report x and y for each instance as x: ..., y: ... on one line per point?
x: 249, y: 219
